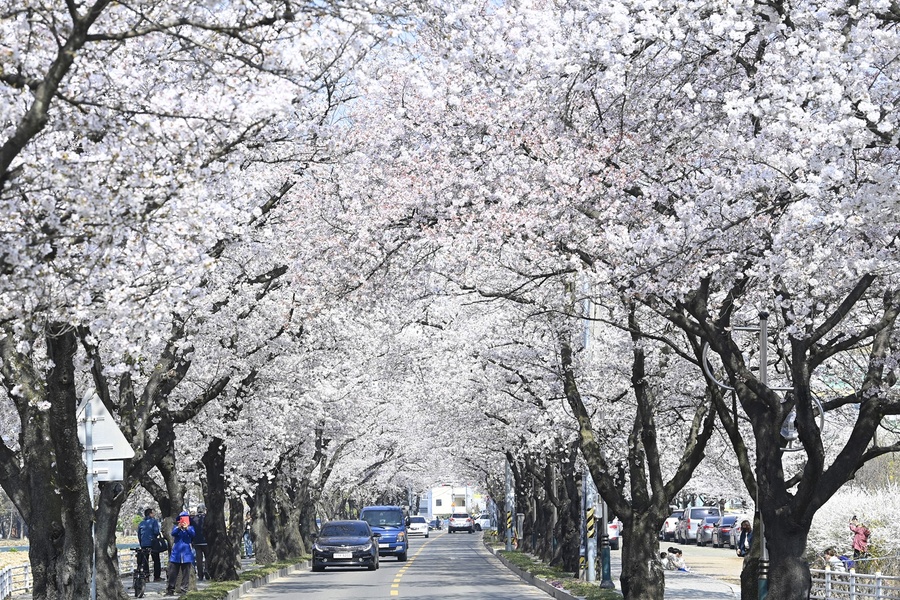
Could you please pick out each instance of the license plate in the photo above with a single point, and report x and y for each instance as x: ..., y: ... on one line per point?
x: 343, y: 555
x: 384, y: 545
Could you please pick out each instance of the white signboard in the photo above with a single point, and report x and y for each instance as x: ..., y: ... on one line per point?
x: 107, y: 440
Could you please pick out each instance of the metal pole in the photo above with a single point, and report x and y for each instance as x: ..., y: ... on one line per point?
x: 763, y: 581
x: 606, y: 581
x: 590, y: 527
x: 510, y: 507
x: 89, y: 463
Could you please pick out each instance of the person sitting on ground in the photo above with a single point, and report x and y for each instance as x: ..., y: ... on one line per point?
x: 664, y: 560
x: 832, y: 561
x: 676, y: 560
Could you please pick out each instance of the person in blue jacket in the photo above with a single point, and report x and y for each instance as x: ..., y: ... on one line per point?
x: 200, y: 544
x: 147, y: 532
x: 181, y: 557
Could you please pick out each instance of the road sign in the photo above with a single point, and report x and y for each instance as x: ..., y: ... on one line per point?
x: 108, y: 470
x: 107, y: 440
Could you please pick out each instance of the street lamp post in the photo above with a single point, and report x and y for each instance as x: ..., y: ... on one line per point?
x: 763, y: 329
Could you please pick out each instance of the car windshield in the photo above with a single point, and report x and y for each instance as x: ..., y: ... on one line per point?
x: 729, y: 520
x: 383, y: 518
x: 417, y: 519
x: 460, y: 516
x: 344, y: 530
x: 702, y: 513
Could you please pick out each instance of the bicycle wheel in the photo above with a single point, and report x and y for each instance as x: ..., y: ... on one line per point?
x: 138, y: 585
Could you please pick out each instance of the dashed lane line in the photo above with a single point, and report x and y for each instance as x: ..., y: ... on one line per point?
x: 395, y: 585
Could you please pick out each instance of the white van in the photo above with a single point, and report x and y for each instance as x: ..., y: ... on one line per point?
x: 692, y: 520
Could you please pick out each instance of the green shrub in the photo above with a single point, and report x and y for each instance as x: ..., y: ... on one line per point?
x: 559, y: 578
x: 219, y: 589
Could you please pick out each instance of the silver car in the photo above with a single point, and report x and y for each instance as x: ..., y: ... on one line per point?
x: 686, y: 530
x: 705, y: 531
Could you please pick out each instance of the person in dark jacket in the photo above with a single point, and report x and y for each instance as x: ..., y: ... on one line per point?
x: 147, y: 532
x: 200, y: 543
x: 181, y: 557
x: 745, y: 541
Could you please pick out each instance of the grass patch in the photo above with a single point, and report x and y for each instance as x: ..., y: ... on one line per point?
x: 559, y: 578
x: 219, y: 589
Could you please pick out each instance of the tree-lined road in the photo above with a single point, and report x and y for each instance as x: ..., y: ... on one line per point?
x: 445, y: 567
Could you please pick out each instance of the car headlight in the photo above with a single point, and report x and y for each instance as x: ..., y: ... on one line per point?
x: 401, y: 536
x: 366, y: 547
x: 318, y: 548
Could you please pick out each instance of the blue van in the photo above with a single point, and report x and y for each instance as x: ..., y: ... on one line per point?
x: 390, y: 522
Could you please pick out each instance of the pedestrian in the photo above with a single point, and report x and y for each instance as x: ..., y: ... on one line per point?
x: 832, y: 561
x: 861, y: 535
x: 745, y: 540
x: 664, y: 560
x: 181, y: 558
x: 248, y: 540
x: 201, y: 547
x: 148, y: 530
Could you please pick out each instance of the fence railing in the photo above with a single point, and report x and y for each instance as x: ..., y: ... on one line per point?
x: 843, y: 585
x: 17, y: 579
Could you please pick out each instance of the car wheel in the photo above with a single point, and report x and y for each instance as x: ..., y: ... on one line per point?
x: 401, y: 557
x: 426, y: 536
x: 318, y: 568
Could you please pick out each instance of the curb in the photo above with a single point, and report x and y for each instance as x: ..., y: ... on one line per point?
x: 266, y: 579
x: 532, y: 580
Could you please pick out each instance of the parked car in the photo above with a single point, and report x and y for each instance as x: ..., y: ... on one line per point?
x: 690, y: 522
x: 734, y: 535
x: 434, y: 524
x: 390, y: 522
x: 705, y: 531
x: 483, y: 522
x: 667, y: 533
x: 417, y: 526
x: 461, y: 522
x: 721, y: 533
x: 614, y: 531
x: 345, y: 544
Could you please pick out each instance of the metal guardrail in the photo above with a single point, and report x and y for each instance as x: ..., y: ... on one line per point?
x: 14, y: 580
x: 18, y: 580
x: 844, y: 585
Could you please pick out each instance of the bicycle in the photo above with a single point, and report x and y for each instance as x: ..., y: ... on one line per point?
x: 141, y: 573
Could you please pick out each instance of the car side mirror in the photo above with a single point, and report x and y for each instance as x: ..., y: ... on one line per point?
x: 313, y: 536
x: 407, y: 521
x: 375, y: 534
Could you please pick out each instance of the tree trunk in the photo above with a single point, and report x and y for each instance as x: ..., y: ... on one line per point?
x: 642, y: 574
x: 286, y: 535
x: 222, y: 559
x: 236, y: 522
x: 109, y: 583
x: 569, y: 518
x: 261, y: 523
x: 60, y: 543
x: 789, y: 577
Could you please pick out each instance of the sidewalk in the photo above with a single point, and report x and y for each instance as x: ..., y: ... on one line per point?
x: 683, y: 586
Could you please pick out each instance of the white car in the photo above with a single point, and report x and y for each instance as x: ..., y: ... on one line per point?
x: 417, y: 526
x: 483, y: 523
x: 667, y: 533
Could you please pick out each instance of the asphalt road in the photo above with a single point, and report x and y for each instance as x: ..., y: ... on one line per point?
x: 442, y: 567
